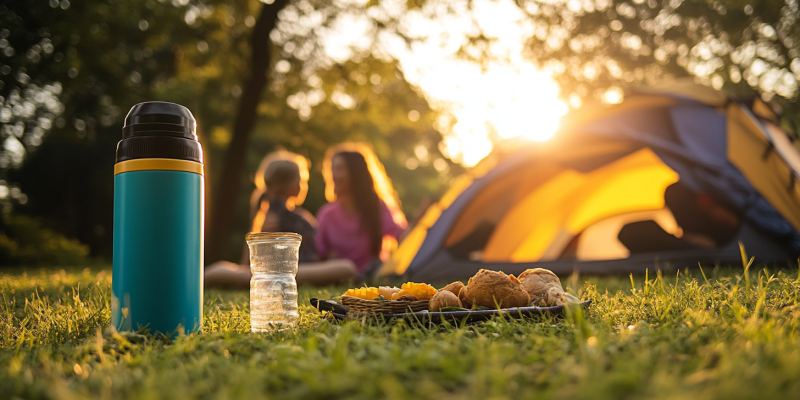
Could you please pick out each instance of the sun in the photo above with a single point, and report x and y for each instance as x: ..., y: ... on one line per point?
x: 504, y: 97
x: 501, y: 101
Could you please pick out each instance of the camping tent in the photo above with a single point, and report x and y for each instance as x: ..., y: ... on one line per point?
x: 596, y: 198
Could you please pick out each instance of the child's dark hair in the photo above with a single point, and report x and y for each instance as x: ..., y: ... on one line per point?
x: 280, y: 175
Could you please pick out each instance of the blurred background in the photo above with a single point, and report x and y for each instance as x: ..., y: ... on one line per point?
x: 432, y: 86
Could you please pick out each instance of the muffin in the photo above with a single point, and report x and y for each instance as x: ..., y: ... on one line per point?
x: 538, y: 280
x: 493, y: 289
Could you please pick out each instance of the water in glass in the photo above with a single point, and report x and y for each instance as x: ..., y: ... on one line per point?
x: 273, y: 289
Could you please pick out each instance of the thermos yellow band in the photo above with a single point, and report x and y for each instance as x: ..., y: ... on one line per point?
x: 158, y: 164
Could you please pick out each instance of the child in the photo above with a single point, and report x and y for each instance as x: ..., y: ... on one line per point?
x: 281, y: 186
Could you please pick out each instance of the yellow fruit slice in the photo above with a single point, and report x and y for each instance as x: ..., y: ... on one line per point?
x: 422, y: 291
x: 366, y: 293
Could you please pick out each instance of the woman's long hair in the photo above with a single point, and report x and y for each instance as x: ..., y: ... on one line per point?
x: 362, y: 189
x: 369, y: 185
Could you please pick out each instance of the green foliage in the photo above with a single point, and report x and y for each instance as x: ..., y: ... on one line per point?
x: 26, y: 242
x: 721, y: 334
x: 73, y: 51
x: 742, y: 46
x: 81, y: 77
x: 70, y: 79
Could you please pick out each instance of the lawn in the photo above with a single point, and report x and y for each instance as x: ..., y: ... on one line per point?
x: 725, y: 334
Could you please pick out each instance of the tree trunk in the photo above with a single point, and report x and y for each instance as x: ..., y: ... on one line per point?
x: 227, y: 189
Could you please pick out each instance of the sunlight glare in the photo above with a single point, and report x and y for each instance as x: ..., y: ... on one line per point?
x: 507, y: 98
x: 503, y: 102
x: 479, y: 106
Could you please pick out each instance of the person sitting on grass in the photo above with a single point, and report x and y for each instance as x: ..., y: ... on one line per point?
x: 363, y: 218
x: 282, y: 184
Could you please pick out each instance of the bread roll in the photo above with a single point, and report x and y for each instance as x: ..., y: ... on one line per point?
x: 454, y: 287
x: 538, y: 280
x: 492, y: 289
x: 443, y: 298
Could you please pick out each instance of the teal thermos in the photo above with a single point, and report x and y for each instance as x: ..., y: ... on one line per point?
x: 158, y: 222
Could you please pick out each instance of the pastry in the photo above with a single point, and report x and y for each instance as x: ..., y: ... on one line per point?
x: 538, y: 280
x: 443, y: 298
x: 462, y: 297
x: 454, y: 287
x: 493, y: 289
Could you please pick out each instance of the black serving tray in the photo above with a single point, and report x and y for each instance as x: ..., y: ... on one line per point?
x: 341, y: 312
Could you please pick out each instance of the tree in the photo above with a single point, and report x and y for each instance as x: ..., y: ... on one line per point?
x: 596, y: 48
x: 196, y: 54
x: 222, y: 208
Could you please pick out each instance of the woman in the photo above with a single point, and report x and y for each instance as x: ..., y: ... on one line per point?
x: 363, y: 217
x: 281, y: 186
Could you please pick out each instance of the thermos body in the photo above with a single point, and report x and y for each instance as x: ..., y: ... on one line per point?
x: 158, y: 250
x: 158, y: 223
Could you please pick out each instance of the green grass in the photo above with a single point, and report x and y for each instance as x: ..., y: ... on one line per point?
x: 728, y: 334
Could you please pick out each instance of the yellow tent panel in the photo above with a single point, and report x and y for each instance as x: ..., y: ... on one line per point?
x: 497, y: 197
x: 539, y: 227
x: 624, y: 189
x: 770, y: 175
x: 540, y: 212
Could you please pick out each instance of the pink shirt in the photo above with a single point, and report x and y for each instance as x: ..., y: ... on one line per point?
x: 341, y: 234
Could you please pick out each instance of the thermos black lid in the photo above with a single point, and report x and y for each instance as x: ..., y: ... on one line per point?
x: 158, y: 129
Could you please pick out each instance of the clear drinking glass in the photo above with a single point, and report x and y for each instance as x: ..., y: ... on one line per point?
x: 273, y: 289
